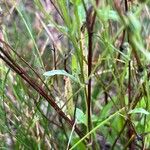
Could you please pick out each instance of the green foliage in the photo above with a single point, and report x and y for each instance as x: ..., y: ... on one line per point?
x: 139, y: 110
x: 52, y: 41
x: 59, y: 72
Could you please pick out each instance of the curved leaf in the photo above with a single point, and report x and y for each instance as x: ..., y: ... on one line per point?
x: 139, y: 110
x: 60, y: 72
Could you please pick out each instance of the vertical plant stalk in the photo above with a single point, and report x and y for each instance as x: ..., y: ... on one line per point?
x: 130, y: 130
x: 90, y: 21
x: 126, y: 5
x: 55, y: 62
x: 129, y: 85
x: 121, y: 44
x: 125, y: 31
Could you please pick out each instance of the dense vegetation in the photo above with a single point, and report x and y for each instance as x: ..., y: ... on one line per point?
x: 74, y: 74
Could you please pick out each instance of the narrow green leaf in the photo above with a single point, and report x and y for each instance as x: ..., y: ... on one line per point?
x: 60, y: 72
x: 98, y: 126
x: 74, y: 65
x: 80, y: 116
x: 22, y: 16
x: 107, y: 13
x: 139, y: 110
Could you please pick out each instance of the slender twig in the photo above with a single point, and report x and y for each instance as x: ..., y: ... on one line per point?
x: 63, y: 128
x: 56, y: 9
x: 121, y: 14
x: 130, y: 131
x: 129, y: 84
x: 84, y: 5
x: 19, y: 70
x: 22, y: 59
x: 126, y: 5
x: 90, y: 45
x: 55, y: 62
x: 90, y: 21
x: 121, y: 131
x: 37, y: 103
x: 121, y: 44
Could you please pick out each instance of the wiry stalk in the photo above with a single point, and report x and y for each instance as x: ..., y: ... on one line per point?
x: 90, y: 21
x: 20, y: 71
